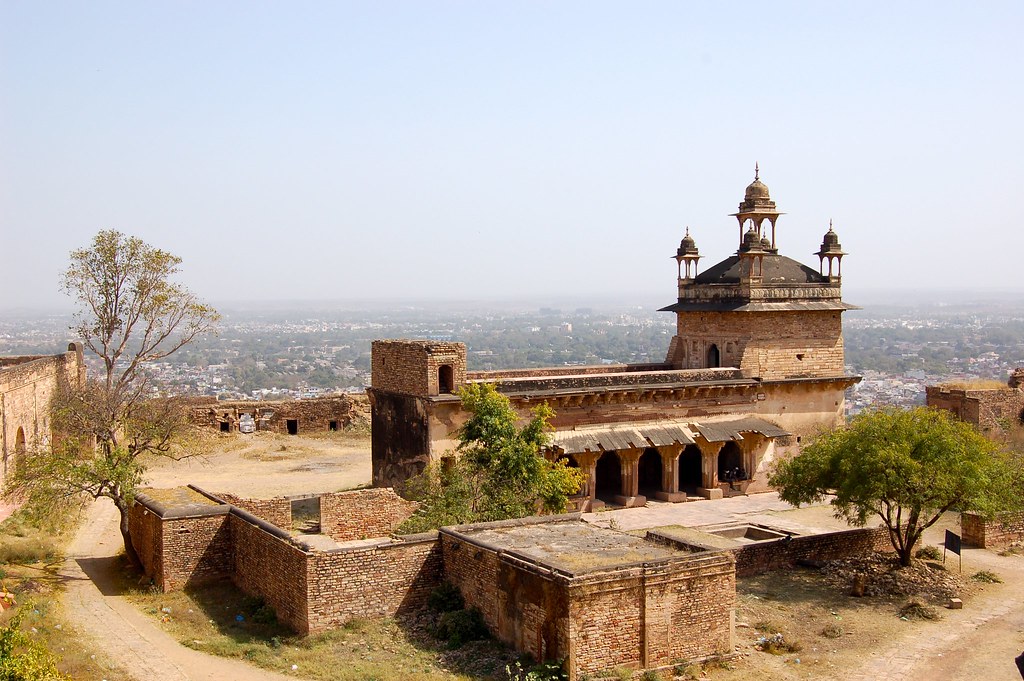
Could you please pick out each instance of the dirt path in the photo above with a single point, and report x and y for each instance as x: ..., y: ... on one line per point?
x: 126, y: 636
x: 263, y: 465
x: 978, y: 642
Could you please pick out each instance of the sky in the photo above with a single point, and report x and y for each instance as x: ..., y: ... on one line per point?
x: 433, y: 150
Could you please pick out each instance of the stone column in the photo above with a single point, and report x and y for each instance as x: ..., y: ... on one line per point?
x: 709, y: 469
x: 670, y: 474
x: 588, y: 464
x: 629, y: 460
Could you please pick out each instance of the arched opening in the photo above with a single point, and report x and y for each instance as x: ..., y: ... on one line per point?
x: 690, y: 477
x: 608, y: 476
x: 649, y: 472
x: 20, y: 447
x: 730, y: 463
x: 714, y: 357
x: 445, y: 379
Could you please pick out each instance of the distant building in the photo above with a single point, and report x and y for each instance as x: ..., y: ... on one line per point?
x: 755, y: 365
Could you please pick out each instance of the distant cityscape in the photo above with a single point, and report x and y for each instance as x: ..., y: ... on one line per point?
x: 274, y: 355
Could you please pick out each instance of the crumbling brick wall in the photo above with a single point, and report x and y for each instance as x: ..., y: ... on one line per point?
x: 27, y: 385
x: 313, y: 415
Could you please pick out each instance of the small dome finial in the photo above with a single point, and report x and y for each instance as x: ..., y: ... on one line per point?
x: 757, y: 171
x: 830, y: 225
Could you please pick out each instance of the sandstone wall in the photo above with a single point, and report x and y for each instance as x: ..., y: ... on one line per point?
x: 27, y: 384
x: 995, y: 533
x: 764, y: 344
x: 989, y: 410
x: 399, y: 436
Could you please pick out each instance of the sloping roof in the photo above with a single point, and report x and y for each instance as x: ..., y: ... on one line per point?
x: 726, y: 431
x: 657, y: 434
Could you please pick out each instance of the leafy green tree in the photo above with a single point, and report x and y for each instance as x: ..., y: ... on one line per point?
x: 21, y: 657
x: 907, y: 467
x: 130, y: 313
x: 498, y: 470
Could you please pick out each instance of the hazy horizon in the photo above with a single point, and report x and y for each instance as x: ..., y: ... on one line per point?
x: 519, y: 151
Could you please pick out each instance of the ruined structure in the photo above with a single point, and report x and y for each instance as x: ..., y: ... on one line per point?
x: 27, y: 383
x: 288, y: 417
x: 554, y: 587
x: 756, y: 364
x: 992, y: 410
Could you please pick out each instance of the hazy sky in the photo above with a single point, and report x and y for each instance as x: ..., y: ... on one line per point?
x: 471, y: 149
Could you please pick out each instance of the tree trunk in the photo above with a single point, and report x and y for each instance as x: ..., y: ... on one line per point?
x: 126, y: 537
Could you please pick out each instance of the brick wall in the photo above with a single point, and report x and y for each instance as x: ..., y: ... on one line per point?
x: 181, y: 546
x: 268, y: 565
x: 640, y: 616
x: 995, y: 533
x: 573, y: 381
x: 767, y: 345
x: 363, y: 513
x: 411, y: 366
x: 375, y: 579
x: 399, y: 437
x: 276, y: 511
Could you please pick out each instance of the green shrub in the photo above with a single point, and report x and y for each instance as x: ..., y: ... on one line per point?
x: 462, y: 626
x: 552, y: 670
x: 23, y: 659
x: 918, y: 610
x: 987, y: 577
x: 929, y: 553
x: 446, y: 598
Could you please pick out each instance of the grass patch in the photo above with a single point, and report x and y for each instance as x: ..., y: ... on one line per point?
x: 776, y: 644
x: 832, y: 631
x: 987, y: 577
x: 220, y: 620
x: 916, y: 610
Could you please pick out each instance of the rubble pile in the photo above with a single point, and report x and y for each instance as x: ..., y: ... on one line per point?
x: 885, y: 577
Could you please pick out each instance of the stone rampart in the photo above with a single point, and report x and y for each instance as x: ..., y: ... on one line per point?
x: 363, y: 513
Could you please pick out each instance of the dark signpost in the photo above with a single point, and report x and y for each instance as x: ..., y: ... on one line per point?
x: 952, y: 543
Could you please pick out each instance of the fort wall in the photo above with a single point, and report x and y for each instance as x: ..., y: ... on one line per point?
x: 27, y: 385
x: 991, y: 410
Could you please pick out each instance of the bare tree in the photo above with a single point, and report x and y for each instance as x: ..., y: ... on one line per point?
x: 129, y: 314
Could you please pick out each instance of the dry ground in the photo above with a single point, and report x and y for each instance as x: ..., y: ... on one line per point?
x: 871, y: 641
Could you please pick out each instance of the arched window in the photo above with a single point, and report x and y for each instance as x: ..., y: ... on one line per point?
x: 714, y: 358
x: 445, y: 379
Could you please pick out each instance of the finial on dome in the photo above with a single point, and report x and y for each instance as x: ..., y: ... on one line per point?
x: 830, y: 225
x: 757, y: 171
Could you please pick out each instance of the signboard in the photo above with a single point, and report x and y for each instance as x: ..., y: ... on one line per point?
x: 952, y: 542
